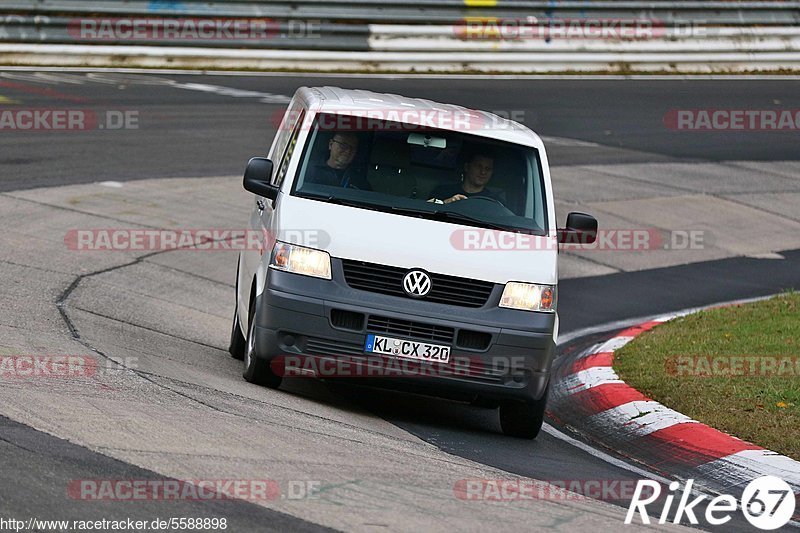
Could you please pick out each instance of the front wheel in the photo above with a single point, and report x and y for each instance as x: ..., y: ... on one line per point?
x: 257, y: 371
x: 522, y: 419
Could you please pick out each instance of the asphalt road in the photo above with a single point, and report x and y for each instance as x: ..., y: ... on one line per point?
x: 196, y: 126
x: 187, y: 127
x: 37, y: 467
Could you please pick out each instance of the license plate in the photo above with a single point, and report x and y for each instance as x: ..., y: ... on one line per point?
x: 419, y: 351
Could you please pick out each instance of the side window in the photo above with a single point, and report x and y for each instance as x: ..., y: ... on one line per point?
x: 288, y: 150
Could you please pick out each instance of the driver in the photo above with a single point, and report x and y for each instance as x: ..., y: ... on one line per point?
x: 337, y: 170
x: 477, y: 173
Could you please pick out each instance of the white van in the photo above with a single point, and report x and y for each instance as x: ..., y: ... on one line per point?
x: 407, y: 242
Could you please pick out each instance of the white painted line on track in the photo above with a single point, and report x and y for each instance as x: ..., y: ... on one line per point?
x: 567, y: 141
x: 266, y: 98
x: 598, y: 454
x: 594, y: 452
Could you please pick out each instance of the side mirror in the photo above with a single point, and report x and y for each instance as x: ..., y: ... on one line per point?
x: 581, y: 229
x: 257, y: 177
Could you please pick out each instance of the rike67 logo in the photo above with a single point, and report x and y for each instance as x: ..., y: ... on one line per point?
x: 767, y: 502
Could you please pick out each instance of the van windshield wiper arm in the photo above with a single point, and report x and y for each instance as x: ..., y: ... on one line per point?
x: 342, y: 201
x: 423, y: 213
x: 452, y: 215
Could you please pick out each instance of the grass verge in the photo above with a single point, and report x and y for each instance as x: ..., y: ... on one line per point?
x: 735, y: 368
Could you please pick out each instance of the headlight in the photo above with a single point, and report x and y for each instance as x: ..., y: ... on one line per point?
x: 300, y: 260
x: 529, y: 297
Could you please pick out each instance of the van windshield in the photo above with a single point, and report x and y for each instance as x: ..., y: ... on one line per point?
x: 417, y: 171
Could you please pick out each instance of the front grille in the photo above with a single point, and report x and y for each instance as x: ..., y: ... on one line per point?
x: 473, y: 340
x: 347, y: 319
x: 315, y: 346
x: 448, y: 290
x: 406, y: 328
x: 473, y: 369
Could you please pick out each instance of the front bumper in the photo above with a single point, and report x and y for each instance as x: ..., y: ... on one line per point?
x: 497, y: 354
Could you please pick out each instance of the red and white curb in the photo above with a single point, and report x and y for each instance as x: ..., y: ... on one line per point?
x: 589, y: 393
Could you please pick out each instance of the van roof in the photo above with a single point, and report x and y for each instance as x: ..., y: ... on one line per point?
x: 418, y: 111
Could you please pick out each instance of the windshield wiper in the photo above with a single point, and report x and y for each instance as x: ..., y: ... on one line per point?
x: 422, y: 213
x: 411, y: 211
x: 342, y: 201
x: 452, y: 215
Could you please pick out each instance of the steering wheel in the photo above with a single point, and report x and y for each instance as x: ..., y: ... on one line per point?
x: 497, y: 204
x: 487, y: 198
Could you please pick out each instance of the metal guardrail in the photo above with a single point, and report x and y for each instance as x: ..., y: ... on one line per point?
x: 429, y: 11
x: 324, y: 25
x: 313, y: 35
x: 418, y: 36
x: 398, y: 37
x: 572, y: 61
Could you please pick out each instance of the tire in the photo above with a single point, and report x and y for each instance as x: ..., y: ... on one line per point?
x: 523, y: 419
x: 256, y: 370
x: 238, y: 342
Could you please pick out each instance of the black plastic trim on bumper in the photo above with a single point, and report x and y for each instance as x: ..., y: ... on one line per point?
x: 294, y: 318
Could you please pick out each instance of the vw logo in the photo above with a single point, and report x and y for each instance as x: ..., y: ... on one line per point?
x: 417, y: 283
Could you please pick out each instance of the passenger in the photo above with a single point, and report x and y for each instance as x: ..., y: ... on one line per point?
x: 336, y: 170
x: 477, y: 174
